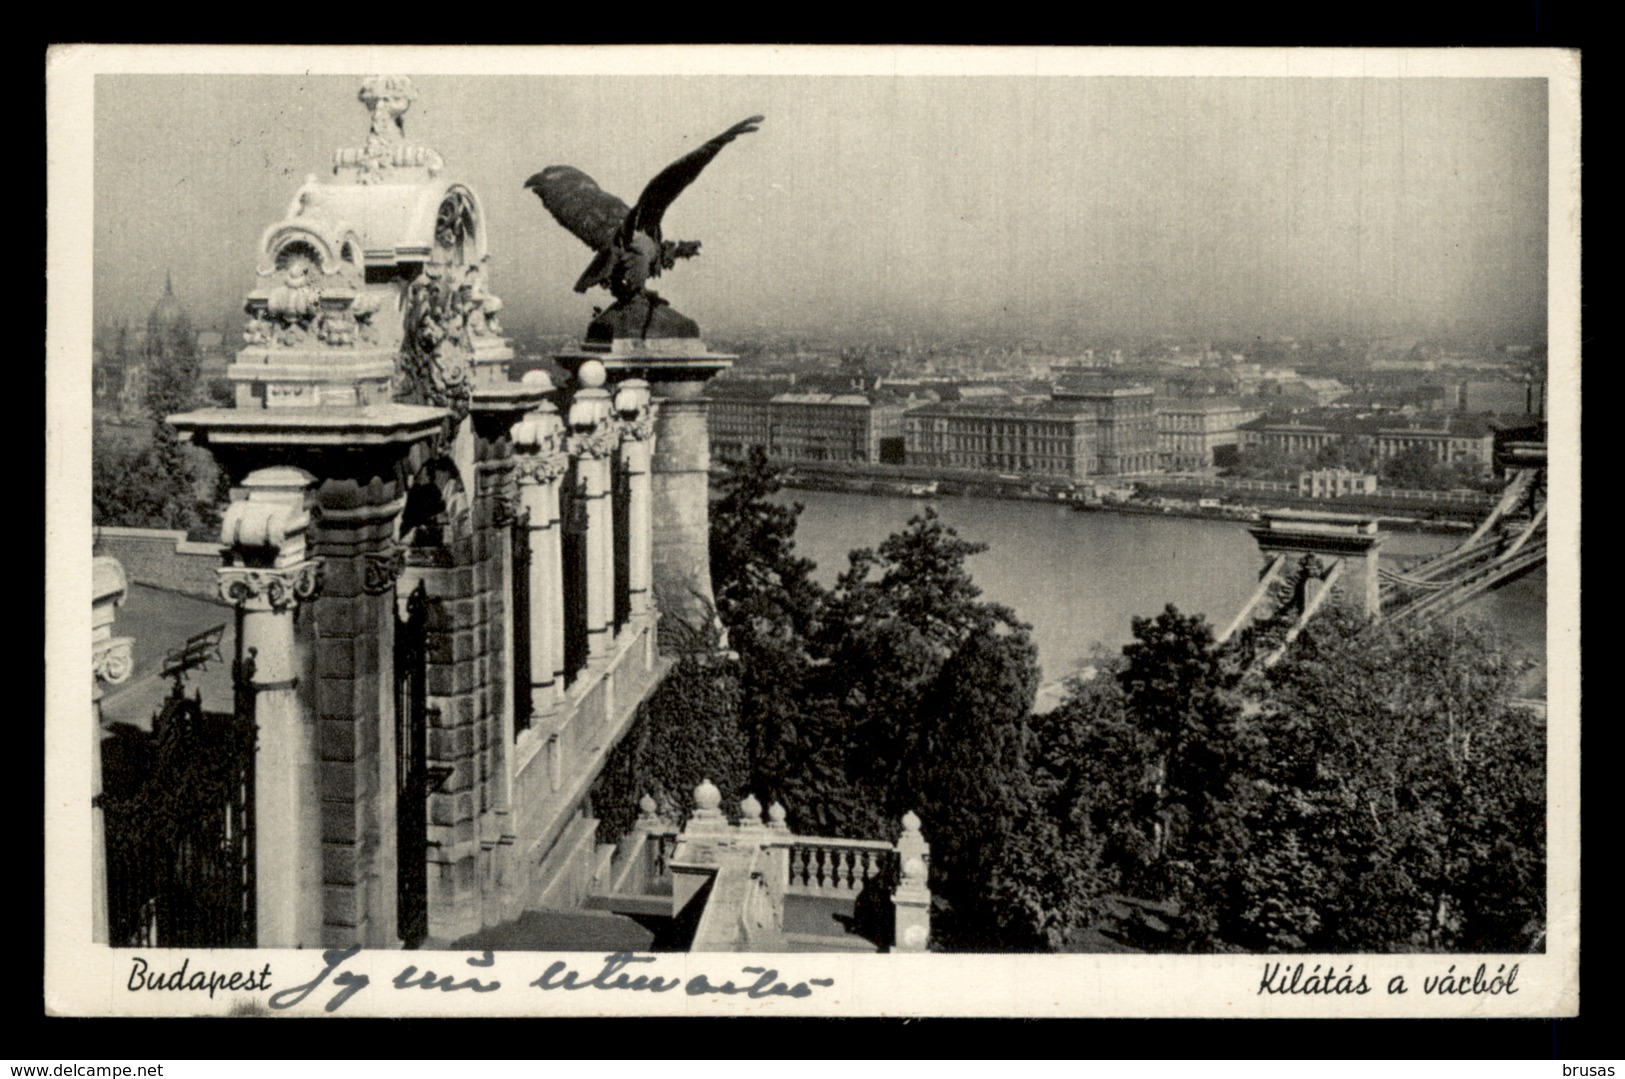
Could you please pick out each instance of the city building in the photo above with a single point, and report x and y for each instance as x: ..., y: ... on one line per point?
x: 1335, y: 483
x: 1448, y: 438
x: 1200, y: 432
x: 1126, y: 441
x: 448, y: 591
x: 803, y: 427
x: 1057, y: 439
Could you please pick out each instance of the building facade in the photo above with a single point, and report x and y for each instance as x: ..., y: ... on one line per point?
x: 795, y: 427
x: 1335, y: 483
x: 1192, y: 430
x: 1126, y: 439
x: 1450, y: 438
x: 1052, y: 439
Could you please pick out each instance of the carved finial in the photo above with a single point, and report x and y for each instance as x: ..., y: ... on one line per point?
x: 706, y: 796
x: 911, y: 823
x: 646, y: 806
x: 750, y: 810
x: 387, y: 97
x: 775, y: 817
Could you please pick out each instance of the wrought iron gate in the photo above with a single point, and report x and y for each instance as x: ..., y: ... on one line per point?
x: 179, y: 815
x: 412, y: 771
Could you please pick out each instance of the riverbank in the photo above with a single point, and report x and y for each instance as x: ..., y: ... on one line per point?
x: 1080, y: 579
x: 1199, y: 502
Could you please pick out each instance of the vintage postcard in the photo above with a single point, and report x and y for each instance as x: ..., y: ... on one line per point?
x: 812, y: 531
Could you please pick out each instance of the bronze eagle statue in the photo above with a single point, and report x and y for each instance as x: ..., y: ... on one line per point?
x: 629, y: 246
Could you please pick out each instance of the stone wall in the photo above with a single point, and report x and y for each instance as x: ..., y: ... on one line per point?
x: 163, y: 558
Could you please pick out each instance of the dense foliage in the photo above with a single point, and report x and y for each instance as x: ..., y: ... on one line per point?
x: 1416, y: 468
x: 159, y: 484
x: 1373, y: 790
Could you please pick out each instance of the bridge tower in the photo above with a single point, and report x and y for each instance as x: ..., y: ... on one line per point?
x: 1327, y: 548
x: 1346, y: 547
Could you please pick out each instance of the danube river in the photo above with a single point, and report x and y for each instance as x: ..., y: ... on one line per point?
x: 1079, y: 578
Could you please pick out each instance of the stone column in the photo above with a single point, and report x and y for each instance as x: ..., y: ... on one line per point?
x: 540, y: 462
x: 680, y: 481
x: 110, y: 663
x: 634, y: 404
x: 270, y: 575
x: 592, y: 442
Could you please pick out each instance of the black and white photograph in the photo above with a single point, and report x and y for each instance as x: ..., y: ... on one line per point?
x: 823, y: 530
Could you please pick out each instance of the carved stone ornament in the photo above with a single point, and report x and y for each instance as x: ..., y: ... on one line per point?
x: 596, y: 442
x: 278, y: 589
x: 380, y: 571
x: 503, y: 512
x: 112, y: 661
x: 386, y: 99
x: 640, y: 428
x: 435, y: 349
x: 543, y: 467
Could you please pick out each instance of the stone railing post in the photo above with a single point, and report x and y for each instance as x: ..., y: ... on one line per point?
x: 540, y: 463
x: 635, y: 406
x: 911, y: 902
x: 111, y: 663
x: 592, y: 442
x: 270, y: 575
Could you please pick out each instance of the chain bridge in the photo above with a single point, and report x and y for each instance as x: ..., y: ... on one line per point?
x: 1309, y: 553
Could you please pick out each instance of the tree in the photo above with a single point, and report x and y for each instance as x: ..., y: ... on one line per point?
x: 891, y: 623
x: 771, y: 606
x: 1417, y: 468
x: 1347, y: 452
x: 1267, y: 462
x: 760, y: 583
x: 1392, y: 760
x: 157, y: 485
x: 965, y: 769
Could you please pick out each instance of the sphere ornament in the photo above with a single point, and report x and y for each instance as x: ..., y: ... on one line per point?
x: 592, y: 374
x: 707, y: 797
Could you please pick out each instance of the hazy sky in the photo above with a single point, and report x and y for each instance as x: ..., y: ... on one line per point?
x: 1226, y: 206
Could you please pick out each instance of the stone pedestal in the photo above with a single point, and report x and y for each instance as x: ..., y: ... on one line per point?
x: 911, y: 902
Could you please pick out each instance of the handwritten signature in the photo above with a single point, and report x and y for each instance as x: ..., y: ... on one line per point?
x: 615, y: 974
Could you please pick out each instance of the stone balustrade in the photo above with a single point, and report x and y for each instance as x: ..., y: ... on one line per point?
x: 732, y: 881
x: 835, y: 867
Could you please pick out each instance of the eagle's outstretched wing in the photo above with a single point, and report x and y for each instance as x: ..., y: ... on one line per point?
x: 663, y: 190
x: 590, y: 213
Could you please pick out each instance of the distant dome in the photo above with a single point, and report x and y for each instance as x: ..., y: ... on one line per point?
x: 167, y: 311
